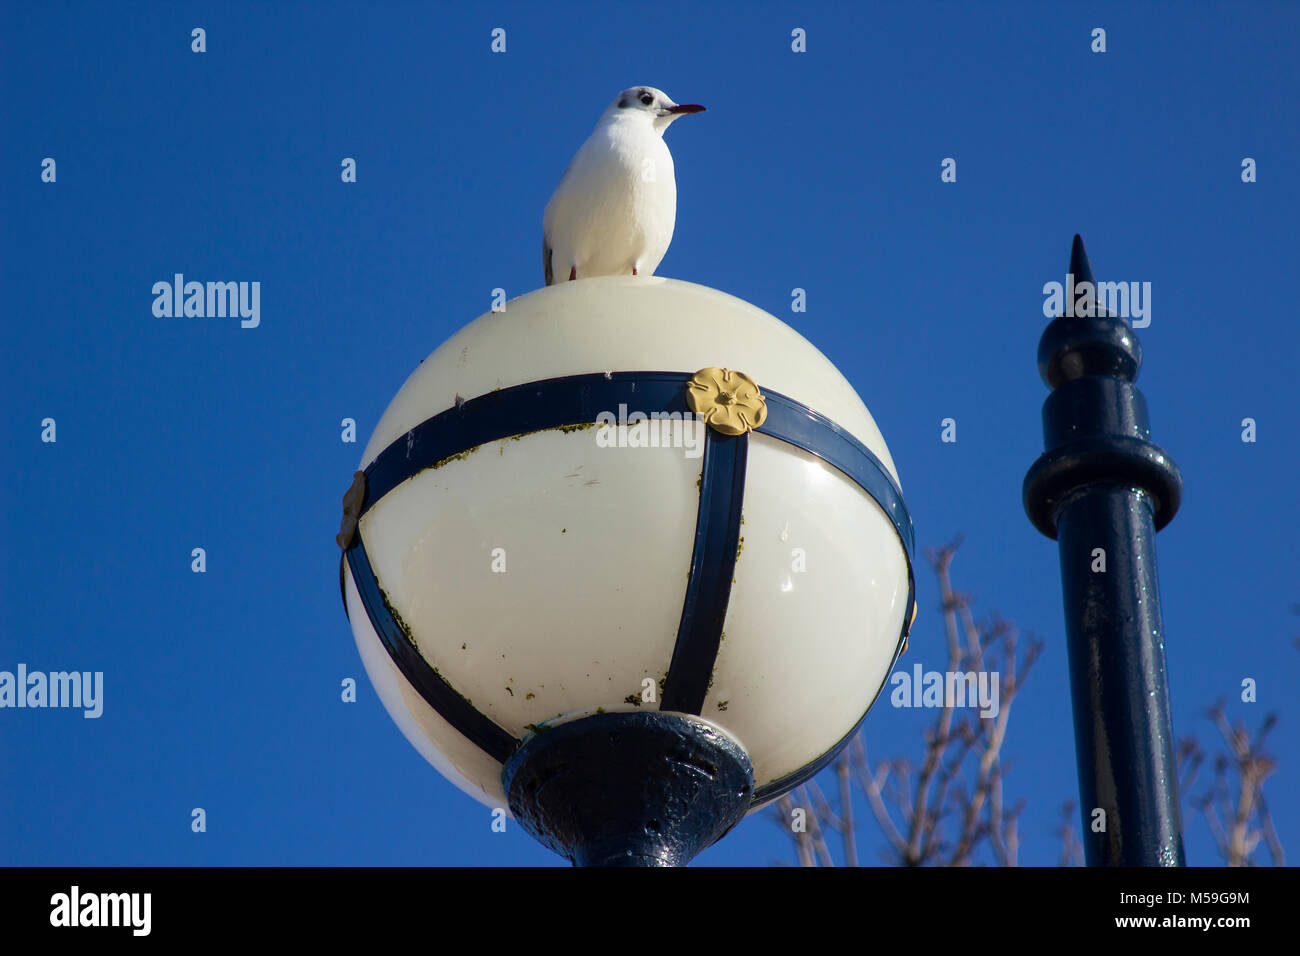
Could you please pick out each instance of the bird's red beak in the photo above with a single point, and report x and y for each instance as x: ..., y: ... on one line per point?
x: 686, y: 108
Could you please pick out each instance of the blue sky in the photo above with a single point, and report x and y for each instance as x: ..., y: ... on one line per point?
x: 818, y: 170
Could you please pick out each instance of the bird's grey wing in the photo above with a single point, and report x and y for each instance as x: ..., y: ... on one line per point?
x: 546, y: 259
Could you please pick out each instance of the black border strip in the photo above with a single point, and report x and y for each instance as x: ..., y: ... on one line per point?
x: 713, y: 567
x: 476, y: 726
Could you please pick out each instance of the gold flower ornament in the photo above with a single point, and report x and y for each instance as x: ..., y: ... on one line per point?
x: 729, y: 401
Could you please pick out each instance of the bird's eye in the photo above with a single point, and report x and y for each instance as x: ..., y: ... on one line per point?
x: 647, y: 99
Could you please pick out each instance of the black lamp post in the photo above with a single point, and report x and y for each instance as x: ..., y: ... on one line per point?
x: 1103, y: 489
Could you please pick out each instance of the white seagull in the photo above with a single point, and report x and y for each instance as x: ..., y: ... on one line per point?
x: 614, y: 209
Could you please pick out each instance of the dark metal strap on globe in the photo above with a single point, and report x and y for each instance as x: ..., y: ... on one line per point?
x: 578, y: 400
x: 1102, y: 489
x: 445, y: 700
x: 713, y: 564
x: 801, y: 426
x: 629, y: 789
x: 519, y: 410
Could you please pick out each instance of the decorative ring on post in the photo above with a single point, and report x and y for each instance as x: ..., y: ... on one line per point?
x: 1121, y: 460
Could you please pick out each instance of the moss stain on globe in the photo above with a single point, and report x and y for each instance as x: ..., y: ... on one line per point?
x: 397, y: 619
x: 459, y: 456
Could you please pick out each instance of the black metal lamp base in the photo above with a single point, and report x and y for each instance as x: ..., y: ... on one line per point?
x: 629, y: 789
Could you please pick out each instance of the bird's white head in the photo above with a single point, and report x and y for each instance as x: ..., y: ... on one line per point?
x: 648, y: 105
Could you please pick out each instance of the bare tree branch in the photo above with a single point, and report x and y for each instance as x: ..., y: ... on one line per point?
x: 950, y: 809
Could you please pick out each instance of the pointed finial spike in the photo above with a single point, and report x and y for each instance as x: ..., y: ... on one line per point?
x: 1080, y: 267
x: 1095, y: 342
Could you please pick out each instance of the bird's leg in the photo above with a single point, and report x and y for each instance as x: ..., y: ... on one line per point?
x: 573, y: 273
